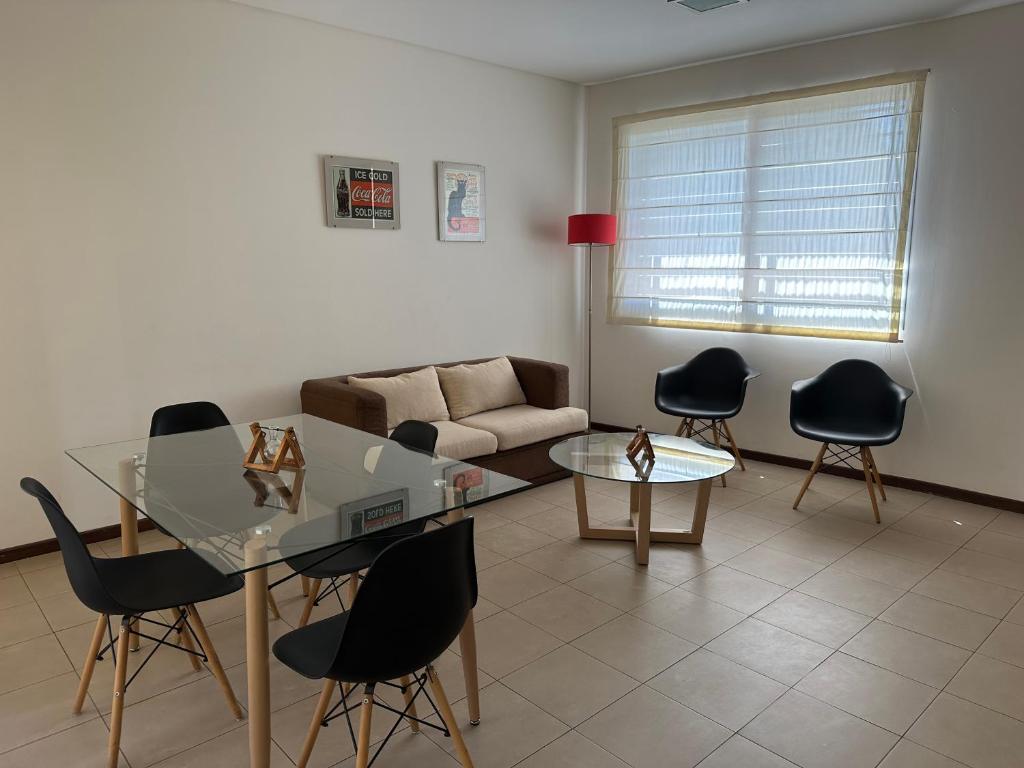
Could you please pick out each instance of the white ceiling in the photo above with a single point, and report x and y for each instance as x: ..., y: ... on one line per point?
x: 589, y: 41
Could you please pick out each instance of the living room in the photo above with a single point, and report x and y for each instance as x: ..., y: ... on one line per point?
x: 179, y: 195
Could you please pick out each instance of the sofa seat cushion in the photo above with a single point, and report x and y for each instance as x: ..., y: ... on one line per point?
x: 415, y: 395
x: 519, y: 425
x: 458, y: 441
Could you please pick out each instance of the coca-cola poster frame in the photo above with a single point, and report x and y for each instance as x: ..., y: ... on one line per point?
x: 361, y: 193
x: 461, y: 202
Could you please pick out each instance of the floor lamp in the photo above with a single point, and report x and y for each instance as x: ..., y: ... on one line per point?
x: 591, y: 229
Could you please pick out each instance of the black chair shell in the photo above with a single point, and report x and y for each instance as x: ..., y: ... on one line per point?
x: 133, y: 585
x: 853, y: 402
x: 712, y: 385
x: 412, y: 604
x: 186, y: 417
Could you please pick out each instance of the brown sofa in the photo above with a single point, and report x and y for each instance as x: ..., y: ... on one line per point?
x: 546, y: 386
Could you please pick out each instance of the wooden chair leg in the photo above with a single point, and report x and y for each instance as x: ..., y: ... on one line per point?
x: 682, y: 426
x: 810, y: 475
x: 877, y: 474
x: 214, y: 661
x: 449, y: 717
x: 272, y: 605
x: 185, y: 641
x: 735, y: 448
x: 117, y: 708
x: 90, y: 664
x: 689, y: 428
x: 351, y: 590
x: 866, y: 462
x: 314, y: 727
x: 314, y: 590
x: 366, y: 714
x: 408, y: 693
x: 718, y: 442
x: 304, y: 581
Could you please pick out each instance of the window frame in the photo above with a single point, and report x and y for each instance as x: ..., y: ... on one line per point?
x: 902, y: 250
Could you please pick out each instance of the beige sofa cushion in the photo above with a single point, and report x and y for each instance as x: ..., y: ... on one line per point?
x: 470, y: 389
x: 415, y: 395
x: 524, y: 424
x: 457, y: 441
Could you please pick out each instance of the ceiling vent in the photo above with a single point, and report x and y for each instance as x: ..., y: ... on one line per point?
x: 706, y: 5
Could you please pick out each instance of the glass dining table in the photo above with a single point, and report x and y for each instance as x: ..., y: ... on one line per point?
x: 194, y: 488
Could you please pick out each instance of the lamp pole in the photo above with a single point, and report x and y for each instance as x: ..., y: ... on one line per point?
x: 591, y: 229
x: 590, y: 326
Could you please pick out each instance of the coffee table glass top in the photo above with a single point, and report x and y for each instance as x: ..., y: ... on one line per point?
x: 354, y: 483
x: 676, y: 459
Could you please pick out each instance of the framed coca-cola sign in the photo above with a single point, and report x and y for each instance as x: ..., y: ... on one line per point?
x: 361, y: 193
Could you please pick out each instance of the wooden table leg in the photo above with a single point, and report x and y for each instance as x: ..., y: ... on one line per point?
x: 643, y: 522
x: 582, y: 517
x: 129, y: 523
x: 639, y: 531
x: 467, y: 646
x: 700, y: 510
x: 257, y: 652
x: 467, y: 643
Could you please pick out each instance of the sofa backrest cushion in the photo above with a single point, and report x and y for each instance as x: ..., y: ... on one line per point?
x: 415, y: 395
x: 470, y: 389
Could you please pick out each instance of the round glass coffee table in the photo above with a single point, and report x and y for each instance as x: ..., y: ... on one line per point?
x: 676, y: 460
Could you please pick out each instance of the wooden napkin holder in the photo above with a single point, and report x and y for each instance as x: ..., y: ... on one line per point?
x: 288, y: 455
x: 641, y: 446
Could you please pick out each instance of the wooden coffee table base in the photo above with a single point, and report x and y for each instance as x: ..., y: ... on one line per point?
x: 640, y: 530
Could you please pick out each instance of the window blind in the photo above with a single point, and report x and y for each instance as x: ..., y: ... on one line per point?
x: 786, y: 213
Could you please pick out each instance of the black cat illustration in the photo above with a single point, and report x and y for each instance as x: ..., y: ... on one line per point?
x: 455, y: 198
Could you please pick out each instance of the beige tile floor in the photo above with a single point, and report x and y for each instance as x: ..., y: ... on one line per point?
x: 808, y: 638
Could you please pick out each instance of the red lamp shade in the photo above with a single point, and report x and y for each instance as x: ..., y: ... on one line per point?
x: 592, y: 229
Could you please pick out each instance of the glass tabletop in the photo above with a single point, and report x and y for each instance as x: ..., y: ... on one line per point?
x: 676, y: 459
x: 194, y: 487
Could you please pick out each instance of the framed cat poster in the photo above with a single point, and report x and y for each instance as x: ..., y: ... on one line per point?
x: 361, y: 193
x: 460, y: 202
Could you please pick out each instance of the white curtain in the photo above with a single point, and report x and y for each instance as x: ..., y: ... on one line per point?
x: 783, y: 215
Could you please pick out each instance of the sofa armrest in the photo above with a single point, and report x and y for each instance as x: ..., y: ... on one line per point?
x: 334, y: 400
x: 546, y: 385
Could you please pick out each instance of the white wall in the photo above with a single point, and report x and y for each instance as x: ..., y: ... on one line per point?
x: 964, y: 349
x: 162, y: 230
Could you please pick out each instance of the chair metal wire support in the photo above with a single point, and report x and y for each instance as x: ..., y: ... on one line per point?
x: 419, y: 685
x: 180, y: 625
x: 333, y: 589
x: 838, y: 455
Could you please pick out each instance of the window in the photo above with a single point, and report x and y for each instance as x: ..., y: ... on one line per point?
x: 786, y: 213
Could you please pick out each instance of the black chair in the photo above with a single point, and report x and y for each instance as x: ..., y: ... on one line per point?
x: 186, y: 417
x: 199, y: 416
x: 705, y: 392
x: 343, y: 567
x: 853, y: 405
x: 412, y: 604
x: 131, y: 587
